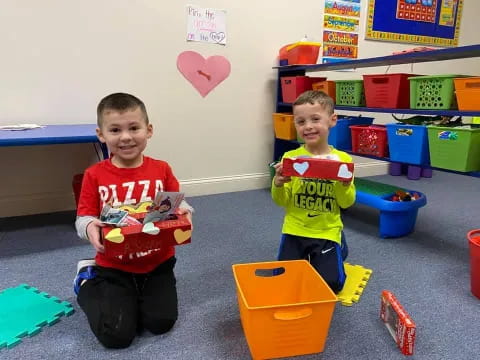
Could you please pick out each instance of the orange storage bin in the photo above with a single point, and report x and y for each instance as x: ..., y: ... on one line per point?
x: 303, y: 53
x: 327, y: 86
x: 467, y: 91
x: 293, y: 86
x: 285, y: 308
x: 284, y: 126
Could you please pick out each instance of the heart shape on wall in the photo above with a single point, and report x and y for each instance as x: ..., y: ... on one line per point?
x: 203, y: 74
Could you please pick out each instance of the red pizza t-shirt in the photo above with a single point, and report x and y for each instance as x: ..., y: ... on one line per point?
x: 104, y: 182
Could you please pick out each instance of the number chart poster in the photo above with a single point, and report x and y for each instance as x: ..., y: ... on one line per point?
x: 426, y: 22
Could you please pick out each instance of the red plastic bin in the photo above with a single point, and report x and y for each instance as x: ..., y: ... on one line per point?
x: 283, y: 55
x: 474, y: 244
x: 370, y: 140
x: 293, y: 86
x: 303, y: 53
x: 387, y: 90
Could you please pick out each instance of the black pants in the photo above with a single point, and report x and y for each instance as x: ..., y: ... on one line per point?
x: 118, y: 304
x: 324, y: 255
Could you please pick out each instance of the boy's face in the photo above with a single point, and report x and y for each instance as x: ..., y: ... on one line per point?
x: 313, y: 123
x: 126, y: 134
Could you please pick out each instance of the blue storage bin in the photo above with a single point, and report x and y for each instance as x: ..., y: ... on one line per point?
x: 408, y: 144
x: 340, y: 136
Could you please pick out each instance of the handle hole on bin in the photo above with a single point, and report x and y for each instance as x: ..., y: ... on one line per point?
x: 472, y: 85
x: 380, y: 80
x: 269, y: 272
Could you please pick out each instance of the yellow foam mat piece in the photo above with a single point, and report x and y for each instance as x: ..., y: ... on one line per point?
x: 357, y: 279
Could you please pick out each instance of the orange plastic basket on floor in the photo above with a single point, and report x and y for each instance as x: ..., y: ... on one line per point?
x: 285, y: 308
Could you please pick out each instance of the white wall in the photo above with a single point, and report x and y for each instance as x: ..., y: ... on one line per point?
x: 60, y: 57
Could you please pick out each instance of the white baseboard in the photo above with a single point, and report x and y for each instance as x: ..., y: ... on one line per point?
x: 223, y: 184
x: 38, y: 203
x: 371, y: 168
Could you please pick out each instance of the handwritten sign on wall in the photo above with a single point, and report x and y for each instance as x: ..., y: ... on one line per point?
x: 206, y: 25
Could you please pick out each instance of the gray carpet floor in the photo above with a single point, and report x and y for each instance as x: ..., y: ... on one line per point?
x: 428, y: 271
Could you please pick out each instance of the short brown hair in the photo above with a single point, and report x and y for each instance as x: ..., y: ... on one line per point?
x: 120, y: 102
x: 316, y: 97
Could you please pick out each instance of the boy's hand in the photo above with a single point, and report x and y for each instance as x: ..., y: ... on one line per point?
x: 182, y: 211
x: 93, y: 233
x: 279, y: 180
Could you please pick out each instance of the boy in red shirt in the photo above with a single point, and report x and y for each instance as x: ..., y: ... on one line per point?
x: 121, y: 295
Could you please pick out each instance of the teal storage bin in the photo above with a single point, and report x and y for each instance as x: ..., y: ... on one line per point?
x: 408, y: 144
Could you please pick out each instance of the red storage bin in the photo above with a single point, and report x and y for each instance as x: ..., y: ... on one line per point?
x: 283, y: 55
x: 474, y: 244
x: 369, y: 140
x: 293, y: 86
x: 303, y: 53
x: 387, y: 90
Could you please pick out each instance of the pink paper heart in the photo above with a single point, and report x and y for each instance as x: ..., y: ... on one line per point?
x: 204, y: 74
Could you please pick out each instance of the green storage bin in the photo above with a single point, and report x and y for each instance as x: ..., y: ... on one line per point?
x: 350, y: 92
x: 455, y: 148
x: 433, y: 92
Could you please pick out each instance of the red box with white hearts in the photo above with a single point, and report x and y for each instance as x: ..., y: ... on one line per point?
x: 140, y: 238
x: 398, y: 322
x: 318, y: 168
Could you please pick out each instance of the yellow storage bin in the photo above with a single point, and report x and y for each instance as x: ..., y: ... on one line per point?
x: 284, y: 126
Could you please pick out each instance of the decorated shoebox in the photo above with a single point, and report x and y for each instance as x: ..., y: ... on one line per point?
x: 318, y: 168
x: 140, y: 238
x: 398, y: 322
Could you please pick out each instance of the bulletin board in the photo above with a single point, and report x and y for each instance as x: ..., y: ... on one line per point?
x: 426, y: 22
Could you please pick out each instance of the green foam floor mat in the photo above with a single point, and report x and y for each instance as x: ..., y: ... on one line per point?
x: 24, y: 310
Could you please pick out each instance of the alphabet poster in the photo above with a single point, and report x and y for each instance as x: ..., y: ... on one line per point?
x: 206, y: 25
x: 426, y: 22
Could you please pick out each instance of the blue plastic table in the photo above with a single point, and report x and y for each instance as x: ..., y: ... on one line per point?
x: 52, y: 134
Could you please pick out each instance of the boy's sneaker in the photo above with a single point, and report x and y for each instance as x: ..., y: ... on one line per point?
x: 85, y: 271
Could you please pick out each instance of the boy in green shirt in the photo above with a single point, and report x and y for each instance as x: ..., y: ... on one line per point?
x: 313, y: 228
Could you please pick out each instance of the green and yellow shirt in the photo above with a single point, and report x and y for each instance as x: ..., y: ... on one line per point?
x: 312, y: 206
